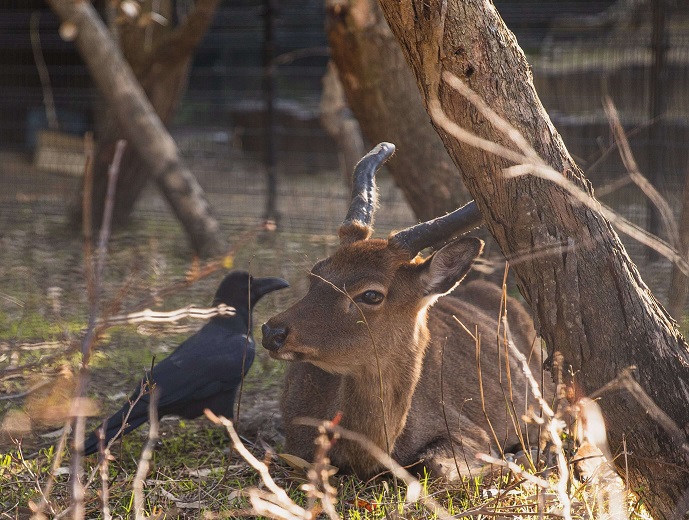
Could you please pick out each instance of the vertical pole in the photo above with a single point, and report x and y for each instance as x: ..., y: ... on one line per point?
x: 269, y: 14
x: 657, y: 105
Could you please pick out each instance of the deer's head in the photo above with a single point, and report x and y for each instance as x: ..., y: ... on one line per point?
x: 373, y: 290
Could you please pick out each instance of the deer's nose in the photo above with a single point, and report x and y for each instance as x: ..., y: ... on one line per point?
x: 273, y: 338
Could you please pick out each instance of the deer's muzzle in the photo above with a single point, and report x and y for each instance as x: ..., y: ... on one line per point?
x: 273, y: 338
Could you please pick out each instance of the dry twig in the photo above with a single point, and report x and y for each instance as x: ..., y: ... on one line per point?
x: 146, y: 456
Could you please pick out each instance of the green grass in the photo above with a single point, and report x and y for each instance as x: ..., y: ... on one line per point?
x: 193, y: 473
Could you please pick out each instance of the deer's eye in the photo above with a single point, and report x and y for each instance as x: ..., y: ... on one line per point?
x: 371, y: 297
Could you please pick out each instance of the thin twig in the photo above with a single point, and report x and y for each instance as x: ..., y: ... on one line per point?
x: 146, y: 456
x: 319, y: 487
x: 117, y: 435
x: 78, y: 490
x: 104, y: 477
x: 94, y: 281
x: 626, y: 381
x: 34, y: 476
x: 277, y: 494
x: 514, y: 468
x: 447, y: 423
x: 240, y: 391
x: 524, y: 165
x: 378, y: 368
x: 104, y: 236
x: 496, y: 120
x: 415, y: 491
x: 664, y: 209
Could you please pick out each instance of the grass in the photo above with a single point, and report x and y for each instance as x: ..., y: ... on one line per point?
x: 194, y: 473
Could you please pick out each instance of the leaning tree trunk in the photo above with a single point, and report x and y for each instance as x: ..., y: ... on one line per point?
x: 588, y: 299
x: 137, y: 119
x: 382, y: 93
x: 160, y: 57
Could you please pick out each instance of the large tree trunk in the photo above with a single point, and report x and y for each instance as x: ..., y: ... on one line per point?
x: 138, y: 121
x: 588, y: 299
x: 382, y: 93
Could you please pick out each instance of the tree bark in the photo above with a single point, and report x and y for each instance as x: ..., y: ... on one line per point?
x: 160, y: 57
x: 588, y: 299
x: 382, y: 93
x: 140, y: 124
x: 338, y: 121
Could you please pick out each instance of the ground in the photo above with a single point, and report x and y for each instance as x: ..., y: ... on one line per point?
x: 44, y: 312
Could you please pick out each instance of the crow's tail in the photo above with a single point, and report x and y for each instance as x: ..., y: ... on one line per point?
x: 137, y: 417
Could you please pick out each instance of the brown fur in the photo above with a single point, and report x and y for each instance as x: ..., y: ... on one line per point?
x: 335, y: 356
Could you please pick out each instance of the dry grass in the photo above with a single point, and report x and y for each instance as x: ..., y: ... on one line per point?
x: 61, y: 358
x: 193, y: 474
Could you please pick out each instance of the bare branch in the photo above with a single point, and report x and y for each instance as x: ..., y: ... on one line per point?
x: 415, y: 491
x: 636, y: 176
x: 277, y: 504
x: 146, y: 456
x: 514, y: 468
x: 526, y: 166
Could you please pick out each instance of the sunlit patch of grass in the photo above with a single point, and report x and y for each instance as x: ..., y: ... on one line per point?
x: 36, y: 326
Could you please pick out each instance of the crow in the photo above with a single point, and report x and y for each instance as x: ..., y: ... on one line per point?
x: 206, y: 369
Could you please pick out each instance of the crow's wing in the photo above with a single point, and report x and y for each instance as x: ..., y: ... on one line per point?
x: 203, y: 372
x: 208, y: 363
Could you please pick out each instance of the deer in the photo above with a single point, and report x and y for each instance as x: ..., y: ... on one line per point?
x: 383, y: 340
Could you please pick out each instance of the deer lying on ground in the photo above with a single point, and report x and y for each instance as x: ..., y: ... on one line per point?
x: 374, y: 332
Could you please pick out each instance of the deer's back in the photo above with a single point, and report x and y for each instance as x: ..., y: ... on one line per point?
x: 453, y: 376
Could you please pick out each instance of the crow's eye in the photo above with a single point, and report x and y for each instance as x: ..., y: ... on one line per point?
x: 371, y: 297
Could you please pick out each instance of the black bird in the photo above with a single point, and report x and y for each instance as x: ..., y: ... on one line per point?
x: 206, y: 369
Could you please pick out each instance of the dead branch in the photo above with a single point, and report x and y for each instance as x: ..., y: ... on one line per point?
x: 146, y: 457
x: 637, y: 177
x: 276, y: 503
x: 415, y: 491
x: 526, y: 166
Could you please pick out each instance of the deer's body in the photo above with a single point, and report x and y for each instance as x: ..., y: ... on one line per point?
x: 370, y: 342
x: 414, y: 403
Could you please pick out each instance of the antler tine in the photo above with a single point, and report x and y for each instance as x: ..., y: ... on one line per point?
x: 358, y: 224
x: 441, y: 229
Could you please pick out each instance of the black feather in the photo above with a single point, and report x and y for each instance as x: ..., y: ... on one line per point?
x: 206, y: 370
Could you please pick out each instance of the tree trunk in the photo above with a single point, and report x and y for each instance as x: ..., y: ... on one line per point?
x: 588, y: 299
x: 140, y: 125
x: 382, y: 93
x: 338, y: 121
x: 164, y: 84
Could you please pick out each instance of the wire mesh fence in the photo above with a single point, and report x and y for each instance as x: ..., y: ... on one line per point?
x: 220, y: 123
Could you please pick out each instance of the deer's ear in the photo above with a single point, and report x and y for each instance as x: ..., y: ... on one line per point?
x: 447, y: 266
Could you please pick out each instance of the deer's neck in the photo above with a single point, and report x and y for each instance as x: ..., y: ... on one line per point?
x: 375, y: 401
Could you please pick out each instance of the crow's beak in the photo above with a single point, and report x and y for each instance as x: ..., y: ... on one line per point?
x: 262, y: 286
